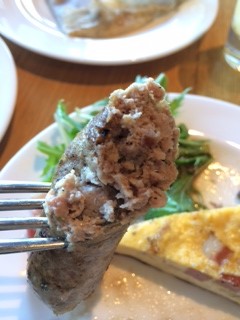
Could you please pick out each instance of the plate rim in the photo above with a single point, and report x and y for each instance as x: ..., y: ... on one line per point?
x: 9, y: 87
x: 89, y: 43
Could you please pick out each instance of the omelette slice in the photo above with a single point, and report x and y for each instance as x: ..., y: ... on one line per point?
x: 201, y: 247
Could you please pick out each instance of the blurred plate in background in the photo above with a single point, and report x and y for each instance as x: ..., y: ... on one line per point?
x: 31, y: 25
x: 8, y: 87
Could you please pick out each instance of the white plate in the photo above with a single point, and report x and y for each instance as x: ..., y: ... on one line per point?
x: 8, y: 87
x: 130, y: 290
x: 30, y: 24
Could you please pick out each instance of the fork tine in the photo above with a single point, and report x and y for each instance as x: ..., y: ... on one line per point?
x: 23, y: 223
x: 31, y: 244
x: 24, y: 187
x: 21, y: 204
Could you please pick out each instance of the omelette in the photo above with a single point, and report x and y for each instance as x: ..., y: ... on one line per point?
x: 202, y: 248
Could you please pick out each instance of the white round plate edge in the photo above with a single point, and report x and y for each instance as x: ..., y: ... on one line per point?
x: 86, y: 55
x: 9, y: 87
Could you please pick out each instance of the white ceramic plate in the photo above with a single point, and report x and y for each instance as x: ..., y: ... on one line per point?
x: 8, y: 87
x: 130, y: 289
x: 30, y: 24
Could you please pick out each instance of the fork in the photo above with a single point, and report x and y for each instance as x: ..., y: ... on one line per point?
x: 27, y: 244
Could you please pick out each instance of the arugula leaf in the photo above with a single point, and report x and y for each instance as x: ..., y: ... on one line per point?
x: 160, y: 79
x: 176, y: 103
x: 53, y: 154
x: 68, y: 127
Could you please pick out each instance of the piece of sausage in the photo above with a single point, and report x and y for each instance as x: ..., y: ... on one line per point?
x: 118, y: 167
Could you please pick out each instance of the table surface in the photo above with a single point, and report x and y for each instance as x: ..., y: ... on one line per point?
x: 43, y: 81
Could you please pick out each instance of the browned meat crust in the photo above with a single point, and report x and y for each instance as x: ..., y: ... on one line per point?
x: 119, y: 166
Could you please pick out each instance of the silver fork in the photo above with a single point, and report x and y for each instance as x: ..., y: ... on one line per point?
x: 15, y: 223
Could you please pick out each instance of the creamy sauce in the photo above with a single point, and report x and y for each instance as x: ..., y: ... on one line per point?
x: 134, y: 291
x: 219, y: 183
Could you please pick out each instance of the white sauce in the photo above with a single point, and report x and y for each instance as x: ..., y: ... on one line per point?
x: 219, y: 183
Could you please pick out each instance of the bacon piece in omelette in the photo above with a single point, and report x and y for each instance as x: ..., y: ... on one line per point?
x: 201, y: 247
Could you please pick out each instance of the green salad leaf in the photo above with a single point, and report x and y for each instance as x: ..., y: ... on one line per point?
x: 193, y: 155
x: 68, y: 128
